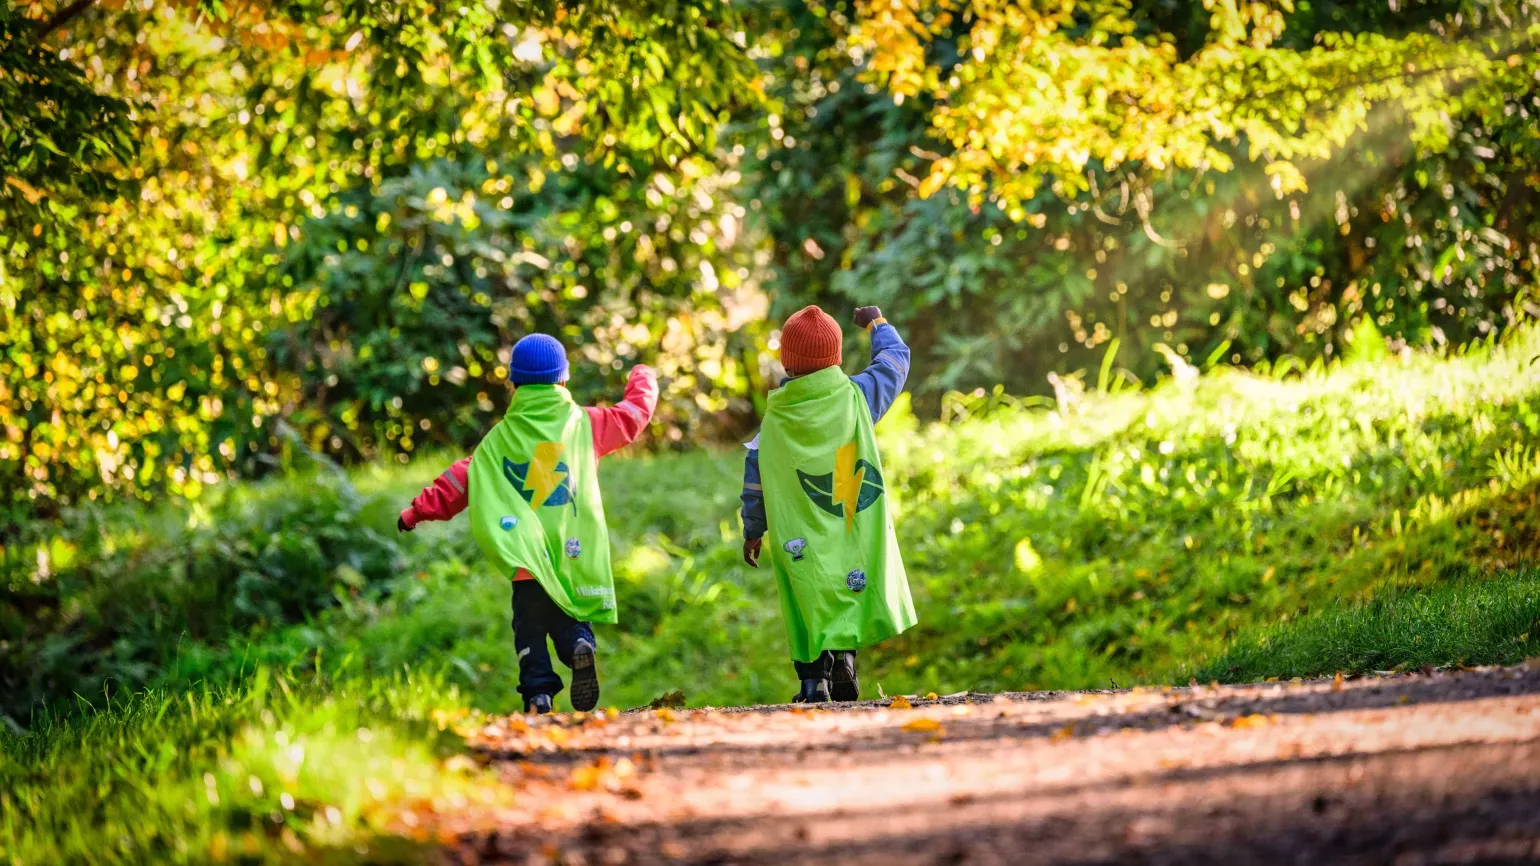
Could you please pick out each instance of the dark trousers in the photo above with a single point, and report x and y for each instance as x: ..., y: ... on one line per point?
x: 536, y: 617
x: 821, y: 668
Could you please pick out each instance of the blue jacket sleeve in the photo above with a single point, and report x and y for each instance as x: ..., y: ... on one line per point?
x: 754, y: 522
x: 883, y: 380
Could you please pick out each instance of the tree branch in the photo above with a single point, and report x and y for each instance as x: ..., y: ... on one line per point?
x: 58, y: 19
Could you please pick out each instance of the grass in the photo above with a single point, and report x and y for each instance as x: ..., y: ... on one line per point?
x: 1234, y: 526
x: 279, y: 767
x: 1474, y: 621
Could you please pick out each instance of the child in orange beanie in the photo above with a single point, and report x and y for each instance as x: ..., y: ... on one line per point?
x: 833, y: 548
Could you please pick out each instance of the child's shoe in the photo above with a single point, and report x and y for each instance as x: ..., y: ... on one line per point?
x: 538, y: 705
x: 845, y: 686
x: 813, y: 692
x: 585, y: 678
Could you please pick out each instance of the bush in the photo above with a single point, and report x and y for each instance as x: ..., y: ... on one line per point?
x: 110, y: 600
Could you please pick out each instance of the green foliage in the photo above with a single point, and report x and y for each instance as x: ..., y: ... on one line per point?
x: 341, y: 216
x: 1491, y: 619
x: 414, y: 291
x: 110, y: 603
x: 56, y: 131
x: 1436, y: 247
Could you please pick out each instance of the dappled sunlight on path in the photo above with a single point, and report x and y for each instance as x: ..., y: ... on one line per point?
x: 1437, y: 765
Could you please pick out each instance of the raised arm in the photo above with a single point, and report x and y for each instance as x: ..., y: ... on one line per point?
x: 617, y: 426
x: 883, y: 380
x: 441, y: 500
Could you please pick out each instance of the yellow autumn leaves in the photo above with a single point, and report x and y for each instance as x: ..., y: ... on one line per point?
x: 1039, y: 98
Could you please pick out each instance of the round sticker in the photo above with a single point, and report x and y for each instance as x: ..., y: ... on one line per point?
x: 856, y: 580
x: 508, y: 522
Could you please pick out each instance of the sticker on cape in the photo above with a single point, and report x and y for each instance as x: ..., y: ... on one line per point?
x: 795, y: 547
x: 574, y: 548
x: 544, y: 480
x: 508, y: 523
x: 854, y: 486
x: 856, y: 580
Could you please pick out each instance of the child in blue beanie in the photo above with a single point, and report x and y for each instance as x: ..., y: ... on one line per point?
x: 535, y: 510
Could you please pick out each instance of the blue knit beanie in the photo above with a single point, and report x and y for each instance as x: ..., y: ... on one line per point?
x: 538, y: 359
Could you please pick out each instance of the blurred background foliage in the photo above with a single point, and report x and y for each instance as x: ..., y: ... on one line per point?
x: 231, y: 234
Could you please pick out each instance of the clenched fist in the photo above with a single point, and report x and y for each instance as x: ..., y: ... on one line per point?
x: 866, y: 315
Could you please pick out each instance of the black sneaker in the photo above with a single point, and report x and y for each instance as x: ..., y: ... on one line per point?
x: 813, y: 692
x: 538, y: 705
x: 585, y: 678
x: 845, y: 686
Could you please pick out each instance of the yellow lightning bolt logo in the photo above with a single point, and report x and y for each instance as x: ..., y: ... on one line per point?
x: 544, y: 477
x: 847, y: 482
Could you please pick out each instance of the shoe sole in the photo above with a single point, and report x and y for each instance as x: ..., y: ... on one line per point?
x: 585, y: 678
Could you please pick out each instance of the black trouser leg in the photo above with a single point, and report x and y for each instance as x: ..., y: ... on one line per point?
x: 566, y: 632
x: 531, y: 624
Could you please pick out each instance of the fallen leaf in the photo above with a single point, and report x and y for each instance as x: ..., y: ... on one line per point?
x: 1255, y: 720
x: 900, y: 702
x: 930, y: 696
x: 587, y: 778
x: 1336, y: 682
x: 664, y: 714
x: 674, y: 699
x: 1062, y: 734
x: 559, y: 736
x: 918, y: 726
x: 1271, y: 680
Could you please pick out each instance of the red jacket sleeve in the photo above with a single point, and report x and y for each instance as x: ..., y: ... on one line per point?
x: 615, y: 427
x: 442, y: 499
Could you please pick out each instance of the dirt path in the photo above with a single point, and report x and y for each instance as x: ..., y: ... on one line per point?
x: 1443, y: 767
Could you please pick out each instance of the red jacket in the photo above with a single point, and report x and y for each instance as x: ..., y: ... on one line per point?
x: 614, y: 427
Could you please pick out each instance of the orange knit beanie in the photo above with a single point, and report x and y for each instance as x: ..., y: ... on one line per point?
x: 810, y: 341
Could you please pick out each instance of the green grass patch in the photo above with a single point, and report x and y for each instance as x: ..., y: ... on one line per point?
x: 1474, y: 621
x: 280, y: 768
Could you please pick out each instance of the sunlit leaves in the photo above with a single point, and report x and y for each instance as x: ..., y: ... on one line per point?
x: 1043, y: 91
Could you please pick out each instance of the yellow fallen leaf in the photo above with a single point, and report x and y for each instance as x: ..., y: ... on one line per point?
x: 664, y: 714
x: 900, y: 702
x: 586, y: 778
x: 930, y: 696
x: 1297, y: 681
x: 1271, y: 680
x: 919, y: 726
x: 1336, y: 682
x: 1255, y: 720
x: 1062, y: 734
x: 558, y: 736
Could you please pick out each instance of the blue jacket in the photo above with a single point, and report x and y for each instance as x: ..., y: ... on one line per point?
x: 881, y: 383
